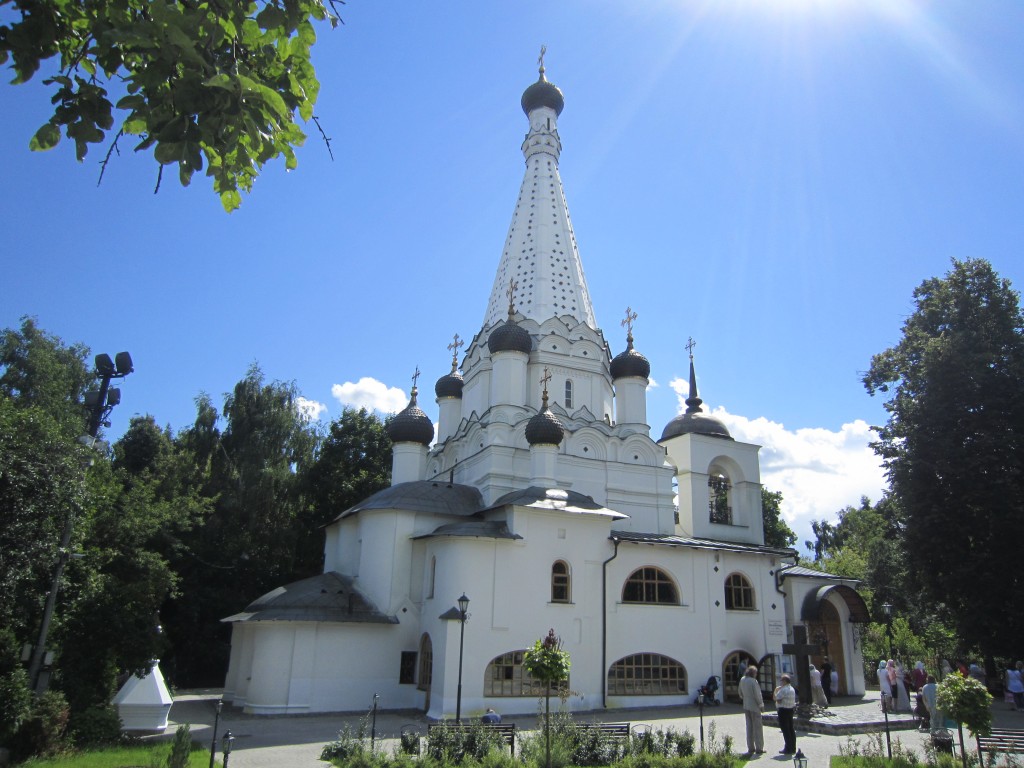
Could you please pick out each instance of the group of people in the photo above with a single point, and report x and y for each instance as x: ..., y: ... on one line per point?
x: 753, y: 706
x: 823, y: 683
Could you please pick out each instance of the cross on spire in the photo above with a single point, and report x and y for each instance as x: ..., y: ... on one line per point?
x: 689, y: 347
x: 511, y: 293
x: 454, y: 347
x: 540, y: 59
x: 415, y: 378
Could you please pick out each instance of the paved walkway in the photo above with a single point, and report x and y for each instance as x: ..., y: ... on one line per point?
x: 296, y: 741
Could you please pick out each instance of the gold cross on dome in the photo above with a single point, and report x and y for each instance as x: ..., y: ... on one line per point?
x: 454, y: 347
x: 540, y: 59
x: 511, y: 293
x: 690, y: 345
x: 628, y: 322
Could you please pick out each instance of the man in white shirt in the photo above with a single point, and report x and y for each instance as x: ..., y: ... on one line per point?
x: 753, y: 703
x: 785, y: 705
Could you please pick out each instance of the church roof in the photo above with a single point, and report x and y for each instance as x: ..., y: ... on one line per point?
x: 486, y: 529
x: 555, y: 499
x: 329, y: 597
x: 694, y: 421
x: 540, y: 254
x: 699, y: 543
x: 431, y: 496
x: 411, y: 425
x: 799, y: 570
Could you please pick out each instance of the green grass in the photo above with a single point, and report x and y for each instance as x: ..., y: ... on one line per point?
x: 138, y: 756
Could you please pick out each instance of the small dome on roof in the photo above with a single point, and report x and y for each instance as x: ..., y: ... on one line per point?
x: 411, y: 425
x: 509, y: 337
x: 542, y: 94
x: 544, y: 429
x: 449, y: 385
x: 695, y: 424
x: 630, y: 363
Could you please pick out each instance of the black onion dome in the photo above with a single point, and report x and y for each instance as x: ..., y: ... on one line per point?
x: 411, y: 425
x: 630, y: 363
x: 542, y: 94
x: 544, y: 429
x: 449, y: 385
x: 509, y: 337
x: 695, y: 424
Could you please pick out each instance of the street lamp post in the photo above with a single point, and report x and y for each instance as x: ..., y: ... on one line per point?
x: 99, y: 402
x: 226, y: 746
x: 887, y: 608
x: 463, y: 607
x: 216, y: 723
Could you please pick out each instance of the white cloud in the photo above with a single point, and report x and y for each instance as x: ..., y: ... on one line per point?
x: 818, y: 471
x: 311, y: 410
x: 370, y: 394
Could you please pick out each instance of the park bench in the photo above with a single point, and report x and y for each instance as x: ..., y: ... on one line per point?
x: 507, y: 731
x: 1005, y: 740
x: 616, y: 731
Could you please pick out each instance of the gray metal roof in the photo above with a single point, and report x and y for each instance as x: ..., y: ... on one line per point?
x: 697, y: 543
x: 487, y: 529
x: 435, y: 497
x: 799, y: 570
x: 555, y: 499
x: 327, y: 597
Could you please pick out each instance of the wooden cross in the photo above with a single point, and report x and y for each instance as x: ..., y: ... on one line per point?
x: 802, y: 650
x: 628, y: 322
x: 454, y: 347
x: 511, y: 293
x: 690, y: 345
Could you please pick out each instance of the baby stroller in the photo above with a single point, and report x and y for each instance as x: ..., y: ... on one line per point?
x: 706, y: 693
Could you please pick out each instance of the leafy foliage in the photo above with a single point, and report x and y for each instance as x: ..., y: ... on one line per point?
x: 776, y: 532
x: 546, y: 661
x: 952, y: 448
x: 966, y: 701
x: 459, y: 744
x: 216, y: 84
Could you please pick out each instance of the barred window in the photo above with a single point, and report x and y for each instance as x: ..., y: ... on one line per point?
x: 560, y: 582
x: 739, y: 594
x: 568, y: 394
x: 505, y: 676
x: 650, y: 585
x: 646, y: 674
x: 719, y: 508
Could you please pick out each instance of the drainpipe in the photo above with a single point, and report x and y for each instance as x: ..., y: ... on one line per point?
x: 604, y: 623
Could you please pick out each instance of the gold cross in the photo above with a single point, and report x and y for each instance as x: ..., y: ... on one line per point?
x: 454, y: 347
x: 690, y: 345
x: 511, y: 292
x: 628, y: 322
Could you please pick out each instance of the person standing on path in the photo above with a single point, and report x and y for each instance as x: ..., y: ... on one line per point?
x: 1015, y: 685
x: 930, y: 691
x: 826, y: 680
x: 785, y: 704
x: 753, y: 704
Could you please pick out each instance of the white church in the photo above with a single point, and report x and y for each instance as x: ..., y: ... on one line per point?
x: 545, y: 500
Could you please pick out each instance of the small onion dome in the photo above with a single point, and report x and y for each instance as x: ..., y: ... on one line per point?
x: 449, y: 385
x: 411, y: 425
x: 509, y: 337
x: 544, y: 429
x: 630, y: 363
x: 542, y: 94
x: 695, y: 424
x: 695, y: 421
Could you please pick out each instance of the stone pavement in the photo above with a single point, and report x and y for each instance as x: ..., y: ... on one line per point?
x: 295, y: 741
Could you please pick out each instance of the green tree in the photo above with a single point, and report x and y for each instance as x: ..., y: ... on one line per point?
x: 214, y: 85
x: 548, y: 663
x: 776, y: 532
x: 952, y: 448
x: 966, y: 701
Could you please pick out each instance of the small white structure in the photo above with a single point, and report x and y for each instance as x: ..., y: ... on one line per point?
x: 547, y: 502
x: 143, y: 703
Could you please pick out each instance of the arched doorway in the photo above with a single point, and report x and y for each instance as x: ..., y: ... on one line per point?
x: 733, y: 667
x: 827, y: 633
x: 425, y: 673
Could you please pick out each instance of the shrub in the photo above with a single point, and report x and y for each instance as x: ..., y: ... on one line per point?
x: 351, y: 743
x: 96, y: 726
x: 15, y: 702
x: 43, y: 732
x: 453, y: 745
x: 181, y: 747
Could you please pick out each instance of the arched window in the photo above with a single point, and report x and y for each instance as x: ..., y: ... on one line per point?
x: 561, y: 584
x: 719, y: 506
x: 505, y: 676
x: 733, y: 669
x: 568, y: 394
x: 646, y: 674
x: 430, y: 576
x: 650, y: 585
x: 426, y: 673
x: 739, y: 595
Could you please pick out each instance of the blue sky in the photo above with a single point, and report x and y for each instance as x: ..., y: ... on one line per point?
x: 770, y: 177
